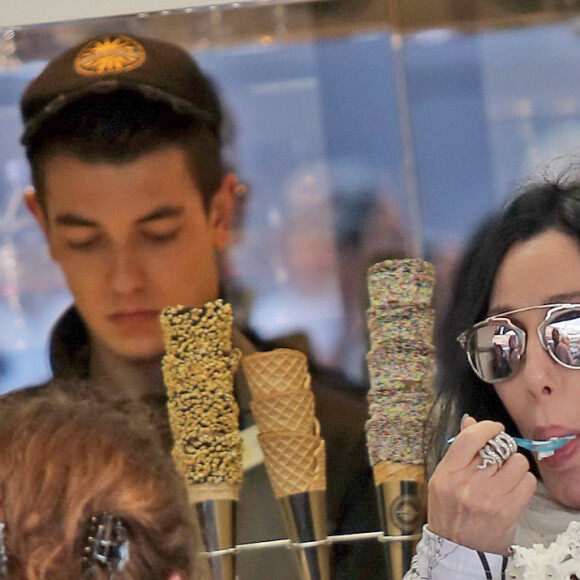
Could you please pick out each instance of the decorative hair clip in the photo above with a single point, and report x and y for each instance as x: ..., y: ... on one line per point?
x: 3, y: 556
x: 107, y: 545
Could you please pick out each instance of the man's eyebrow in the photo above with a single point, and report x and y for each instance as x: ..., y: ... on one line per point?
x: 167, y: 211
x: 71, y: 219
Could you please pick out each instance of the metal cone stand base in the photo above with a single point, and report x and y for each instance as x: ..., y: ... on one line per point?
x: 305, y: 518
x: 217, y: 520
x: 402, y: 509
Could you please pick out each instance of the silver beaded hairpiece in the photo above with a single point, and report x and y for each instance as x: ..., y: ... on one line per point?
x: 107, y: 545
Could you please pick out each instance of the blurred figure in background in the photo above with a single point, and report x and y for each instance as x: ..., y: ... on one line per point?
x: 562, y: 347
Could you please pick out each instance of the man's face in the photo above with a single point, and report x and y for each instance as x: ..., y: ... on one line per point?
x: 131, y: 239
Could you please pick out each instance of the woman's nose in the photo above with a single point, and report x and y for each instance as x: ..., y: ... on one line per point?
x: 539, y: 373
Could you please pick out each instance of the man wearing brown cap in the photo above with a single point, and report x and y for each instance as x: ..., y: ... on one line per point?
x: 124, y: 138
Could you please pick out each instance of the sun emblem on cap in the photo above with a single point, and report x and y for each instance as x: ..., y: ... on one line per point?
x: 109, y: 55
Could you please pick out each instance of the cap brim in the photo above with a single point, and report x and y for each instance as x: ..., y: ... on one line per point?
x: 180, y: 106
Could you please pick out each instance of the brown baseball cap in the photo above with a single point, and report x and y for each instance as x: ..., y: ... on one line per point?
x: 111, y: 62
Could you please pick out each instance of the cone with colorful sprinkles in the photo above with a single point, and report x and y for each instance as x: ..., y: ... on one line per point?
x: 400, y: 321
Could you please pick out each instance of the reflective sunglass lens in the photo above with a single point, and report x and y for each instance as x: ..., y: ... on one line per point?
x: 562, y: 336
x: 495, y: 351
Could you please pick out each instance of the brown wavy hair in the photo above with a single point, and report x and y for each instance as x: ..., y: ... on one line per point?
x: 63, y: 460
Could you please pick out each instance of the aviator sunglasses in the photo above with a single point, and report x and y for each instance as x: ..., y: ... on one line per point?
x: 495, y: 347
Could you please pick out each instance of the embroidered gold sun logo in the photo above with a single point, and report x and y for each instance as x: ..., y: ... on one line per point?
x: 109, y: 55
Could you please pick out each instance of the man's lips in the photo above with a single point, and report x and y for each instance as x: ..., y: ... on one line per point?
x: 126, y: 316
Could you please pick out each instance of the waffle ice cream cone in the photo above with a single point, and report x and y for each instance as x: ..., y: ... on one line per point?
x: 275, y: 372
x: 294, y: 453
x: 295, y: 462
x: 291, y: 411
x: 283, y: 408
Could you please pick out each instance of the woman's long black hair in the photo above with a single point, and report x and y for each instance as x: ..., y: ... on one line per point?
x: 547, y: 205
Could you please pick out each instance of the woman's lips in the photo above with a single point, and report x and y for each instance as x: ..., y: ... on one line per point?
x: 561, y: 456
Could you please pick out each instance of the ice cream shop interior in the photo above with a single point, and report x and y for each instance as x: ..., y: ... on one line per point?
x: 362, y: 143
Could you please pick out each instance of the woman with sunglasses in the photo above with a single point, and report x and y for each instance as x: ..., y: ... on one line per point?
x: 517, y: 286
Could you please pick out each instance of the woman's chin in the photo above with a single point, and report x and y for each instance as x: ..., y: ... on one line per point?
x: 565, y: 493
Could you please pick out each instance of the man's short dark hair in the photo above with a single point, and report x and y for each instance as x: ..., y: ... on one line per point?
x: 120, y: 127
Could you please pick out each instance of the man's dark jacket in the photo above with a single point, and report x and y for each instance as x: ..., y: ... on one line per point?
x: 342, y: 413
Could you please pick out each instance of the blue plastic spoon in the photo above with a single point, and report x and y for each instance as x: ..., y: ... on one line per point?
x: 551, y: 444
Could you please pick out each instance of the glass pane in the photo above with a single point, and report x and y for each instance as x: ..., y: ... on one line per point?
x: 316, y: 140
x: 490, y: 107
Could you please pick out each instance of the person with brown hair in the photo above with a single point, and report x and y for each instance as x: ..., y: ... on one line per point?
x: 84, y: 493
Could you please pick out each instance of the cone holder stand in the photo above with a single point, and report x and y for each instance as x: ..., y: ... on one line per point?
x: 287, y: 543
x: 329, y: 540
x: 217, y: 520
x: 402, y: 510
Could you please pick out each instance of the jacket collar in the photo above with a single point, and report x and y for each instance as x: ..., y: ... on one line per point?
x: 70, y: 356
x: 69, y: 347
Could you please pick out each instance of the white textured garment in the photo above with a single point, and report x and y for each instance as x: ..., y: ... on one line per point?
x: 440, y: 559
x: 543, y: 519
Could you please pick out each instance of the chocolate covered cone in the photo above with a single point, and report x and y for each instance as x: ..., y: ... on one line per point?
x: 198, y: 368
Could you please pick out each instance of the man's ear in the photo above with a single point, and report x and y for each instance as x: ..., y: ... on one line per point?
x: 35, y: 208
x: 221, y: 213
x: 33, y: 205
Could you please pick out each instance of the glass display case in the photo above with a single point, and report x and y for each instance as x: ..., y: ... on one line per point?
x: 362, y: 130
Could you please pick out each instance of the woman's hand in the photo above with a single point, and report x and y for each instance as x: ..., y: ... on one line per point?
x: 478, y: 508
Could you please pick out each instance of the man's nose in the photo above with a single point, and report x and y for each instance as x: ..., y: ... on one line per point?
x: 126, y: 270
